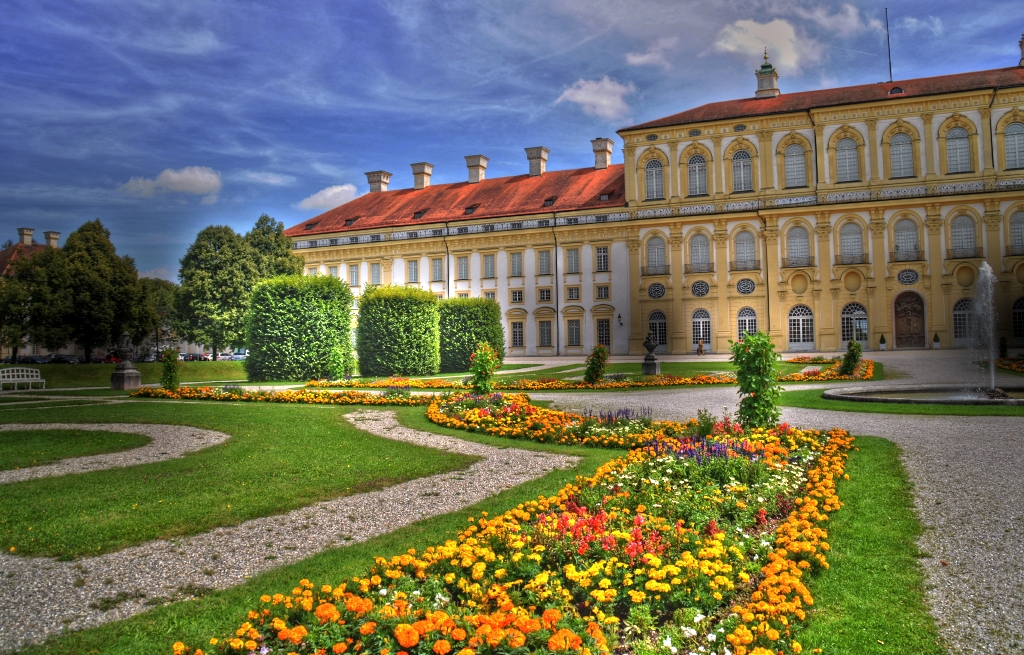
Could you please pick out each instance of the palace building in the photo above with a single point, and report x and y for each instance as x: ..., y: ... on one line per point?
x: 820, y: 217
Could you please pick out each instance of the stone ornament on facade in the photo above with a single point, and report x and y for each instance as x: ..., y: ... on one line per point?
x: 700, y: 289
x: 656, y: 290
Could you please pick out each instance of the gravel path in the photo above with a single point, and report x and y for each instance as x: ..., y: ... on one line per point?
x: 166, y: 442
x: 41, y: 596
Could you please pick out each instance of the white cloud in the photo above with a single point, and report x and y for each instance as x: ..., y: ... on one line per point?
x: 785, y: 50
x: 162, y: 273
x: 178, y: 42
x: 932, y: 24
x: 266, y: 177
x: 602, y: 98
x: 846, y: 21
x: 655, y: 54
x: 330, y: 197
x: 196, y: 180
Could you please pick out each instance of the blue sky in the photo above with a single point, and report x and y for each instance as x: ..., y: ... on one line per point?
x: 162, y: 117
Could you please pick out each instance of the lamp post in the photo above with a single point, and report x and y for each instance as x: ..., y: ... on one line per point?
x: 125, y: 376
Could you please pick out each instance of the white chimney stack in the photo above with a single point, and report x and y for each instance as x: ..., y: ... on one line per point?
x: 538, y: 158
x: 378, y: 181
x: 25, y: 235
x: 421, y: 173
x: 602, y: 152
x: 51, y: 239
x: 477, y: 165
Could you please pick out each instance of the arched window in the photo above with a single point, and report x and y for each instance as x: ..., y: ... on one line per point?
x: 701, y: 323
x: 746, y: 322
x: 851, y: 244
x: 801, y: 328
x: 901, y: 156
x: 746, y: 253
x: 962, y: 237
x: 855, y: 322
x: 847, y: 166
x: 697, y: 174
x: 796, y: 166
x: 655, y: 180
x: 656, y: 257
x: 657, y: 325
x: 798, y: 247
x: 742, y: 177
x: 1017, y: 233
x: 963, y: 320
x: 906, y: 248
x: 958, y: 151
x: 1018, y: 318
x: 1013, y: 144
x: 700, y: 254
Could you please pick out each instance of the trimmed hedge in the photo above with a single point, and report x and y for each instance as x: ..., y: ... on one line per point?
x: 299, y: 328
x: 465, y: 322
x: 398, y: 331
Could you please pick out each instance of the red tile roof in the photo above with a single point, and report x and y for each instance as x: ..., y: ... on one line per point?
x: 789, y: 102
x: 575, y: 189
x: 18, y: 251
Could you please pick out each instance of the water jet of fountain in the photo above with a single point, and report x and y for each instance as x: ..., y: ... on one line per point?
x: 983, y: 310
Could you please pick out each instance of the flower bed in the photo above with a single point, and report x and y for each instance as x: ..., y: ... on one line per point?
x: 865, y: 370
x: 541, y: 384
x: 307, y: 396
x: 1016, y: 365
x: 689, y: 544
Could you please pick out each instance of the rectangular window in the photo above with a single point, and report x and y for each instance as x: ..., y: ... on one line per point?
x: 604, y: 332
x: 313, y: 270
x: 353, y: 275
x: 573, y: 336
x: 545, y: 334
x: 488, y: 266
x: 572, y: 293
x: 436, y: 270
x: 572, y: 260
x: 413, y: 271
x: 516, y: 334
x: 463, y: 268
x: 544, y: 295
x: 544, y: 262
x: 489, y: 295
x: 332, y: 271
x: 463, y: 295
x: 602, y: 259
x: 602, y: 293
x: 517, y: 296
x: 374, y: 273
x: 516, y: 264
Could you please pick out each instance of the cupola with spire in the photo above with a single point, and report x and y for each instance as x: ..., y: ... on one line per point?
x: 767, y: 80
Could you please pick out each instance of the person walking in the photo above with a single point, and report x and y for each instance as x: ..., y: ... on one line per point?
x: 700, y: 346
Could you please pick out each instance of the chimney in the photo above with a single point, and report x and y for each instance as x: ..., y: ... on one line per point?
x: 538, y: 158
x: 477, y: 165
x: 602, y: 152
x: 421, y: 173
x: 25, y: 235
x: 51, y: 239
x: 767, y: 80
x: 378, y: 181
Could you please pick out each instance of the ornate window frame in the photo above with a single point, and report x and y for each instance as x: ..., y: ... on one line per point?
x: 735, y: 232
x: 901, y: 127
x: 891, y: 228
x: 788, y: 227
x: 865, y: 236
x: 688, y: 240
x: 684, y: 169
x: 964, y: 210
x: 1015, y: 115
x: 645, y: 242
x: 795, y: 139
x: 846, y: 132
x: 641, y: 174
x: 954, y: 121
x: 1007, y: 217
x: 741, y: 143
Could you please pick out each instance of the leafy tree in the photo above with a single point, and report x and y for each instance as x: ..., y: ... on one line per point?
x: 755, y: 358
x: 13, y: 314
x: 595, y: 365
x: 217, y: 275
x: 273, y: 250
x: 157, y: 296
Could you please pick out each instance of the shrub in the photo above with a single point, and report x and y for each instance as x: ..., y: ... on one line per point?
x: 1003, y: 352
x: 398, y: 332
x: 464, y: 323
x: 595, y: 365
x: 482, y: 364
x: 755, y: 358
x: 169, y: 374
x: 851, y: 359
x: 298, y: 328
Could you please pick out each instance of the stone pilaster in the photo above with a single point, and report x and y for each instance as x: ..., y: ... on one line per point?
x: 723, y: 323
x: 936, y: 306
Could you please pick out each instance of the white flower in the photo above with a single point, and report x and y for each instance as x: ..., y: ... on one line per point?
x: 667, y: 643
x: 383, y: 592
x: 712, y: 637
x: 727, y: 651
x: 699, y: 618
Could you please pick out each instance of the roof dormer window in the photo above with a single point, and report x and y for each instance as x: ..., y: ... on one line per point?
x: 471, y: 209
x: 420, y: 213
x: 606, y: 196
x: 349, y: 222
x: 310, y: 226
x: 895, y: 90
x: 550, y: 201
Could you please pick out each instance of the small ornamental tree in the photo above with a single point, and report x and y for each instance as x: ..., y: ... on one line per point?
x: 464, y: 323
x: 298, y: 328
x: 851, y: 359
x: 595, y: 365
x: 482, y: 364
x: 398, y: 332
x: 169, y: 373
x: 755, y: 358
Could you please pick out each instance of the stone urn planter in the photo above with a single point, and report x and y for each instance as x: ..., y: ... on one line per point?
x: 650, y: 365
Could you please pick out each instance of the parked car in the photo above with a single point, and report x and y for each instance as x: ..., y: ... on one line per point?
x: 31, y: 359
x: 239, y: 355
x: 194, y: 357
x: 65, y: 359
x: 150, y: 357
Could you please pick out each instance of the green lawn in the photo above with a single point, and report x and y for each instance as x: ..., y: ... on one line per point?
x: 98, y: 375
x: 811, y: 399
x: 871, y: 599
x: 25, y: 448
x: 280, y: 457
x: 220, y: 612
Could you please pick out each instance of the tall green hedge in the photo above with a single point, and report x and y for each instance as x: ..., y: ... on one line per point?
x: 299, y: 328
x: 465, y: 322
x: 398, y: 331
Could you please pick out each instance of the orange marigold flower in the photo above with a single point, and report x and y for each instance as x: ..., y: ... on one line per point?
x: 550, y: 618
x: 467, y: 651
x: 442, y: 647
x: 178, y: 648
x: 367, y: 628
x: 564, y: 640
x: 339, y: 648
x: 516, y: 638
x: 458, y: 634
x: 327, y: 613
x: 406, y: 635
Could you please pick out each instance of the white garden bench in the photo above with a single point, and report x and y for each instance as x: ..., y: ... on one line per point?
x: 18, y: 375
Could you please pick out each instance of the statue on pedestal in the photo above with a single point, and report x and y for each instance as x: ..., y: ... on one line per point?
x: 125, y: 376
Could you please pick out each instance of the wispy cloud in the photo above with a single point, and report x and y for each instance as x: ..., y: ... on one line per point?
x: 845, y: 22
x: 195, y: 180
x: 266, y: 177
x: 749, y: 37
x: 931, y: 24
x: 655, y: 55
x: 603, y: 98
x: 161, y: 272
x: 329, y: 198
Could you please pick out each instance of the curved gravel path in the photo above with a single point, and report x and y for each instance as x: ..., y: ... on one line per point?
x: 167, y: 442
x: 41, y: 596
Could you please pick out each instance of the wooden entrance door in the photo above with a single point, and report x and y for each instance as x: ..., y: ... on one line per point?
x: 909, y: 320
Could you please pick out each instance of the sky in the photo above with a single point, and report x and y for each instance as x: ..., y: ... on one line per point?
x: 160, y: 117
